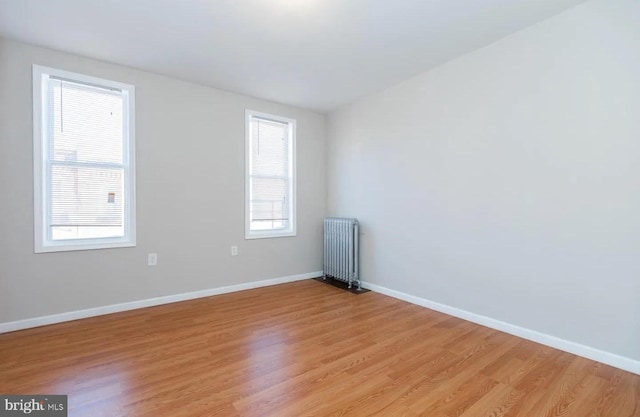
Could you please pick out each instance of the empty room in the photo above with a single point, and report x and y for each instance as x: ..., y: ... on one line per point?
x: 320, y: 208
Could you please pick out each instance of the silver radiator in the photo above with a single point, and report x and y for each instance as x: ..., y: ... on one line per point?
x: 341, y: 250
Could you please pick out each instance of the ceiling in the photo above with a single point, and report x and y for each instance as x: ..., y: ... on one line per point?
x: 316, y: 54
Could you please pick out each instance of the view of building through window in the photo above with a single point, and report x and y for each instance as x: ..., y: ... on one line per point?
x: 86, y: 162
x: 270, y: 208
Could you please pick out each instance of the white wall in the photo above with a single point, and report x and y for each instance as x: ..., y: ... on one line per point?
x: 190, y: 196
x: 506, y: 182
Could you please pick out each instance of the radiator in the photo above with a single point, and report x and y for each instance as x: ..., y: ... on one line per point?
x: 341, y: 250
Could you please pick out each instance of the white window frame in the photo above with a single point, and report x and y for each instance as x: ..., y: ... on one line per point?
x: 41, y: 163
x: 291, y: 230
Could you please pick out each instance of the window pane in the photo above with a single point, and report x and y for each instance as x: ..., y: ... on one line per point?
x: 269, y: 148
x: 86, y: 202
x: 87, y: 123
x: 85, y: 232
x: 269, y: 205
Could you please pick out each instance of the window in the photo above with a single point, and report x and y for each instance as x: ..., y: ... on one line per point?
x: 270, y: 195
x: 84, y: 181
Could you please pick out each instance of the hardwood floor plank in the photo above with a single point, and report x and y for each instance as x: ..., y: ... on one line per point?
x: 544, y: 402
x: 304, y: 349
x: 496, y: 403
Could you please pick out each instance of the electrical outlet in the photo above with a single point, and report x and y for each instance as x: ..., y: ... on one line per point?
x: 152, y: 259
x: 234, y: 251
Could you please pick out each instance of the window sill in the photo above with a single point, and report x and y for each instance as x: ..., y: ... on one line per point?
x: 65, y: 247
x: 268, y: 235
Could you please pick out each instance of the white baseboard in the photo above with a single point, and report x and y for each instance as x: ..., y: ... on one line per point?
x: 149, y: 302
x: 588, y: 352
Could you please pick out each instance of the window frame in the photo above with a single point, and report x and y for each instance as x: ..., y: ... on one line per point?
x: 292, y: 229
x: 41, y: 164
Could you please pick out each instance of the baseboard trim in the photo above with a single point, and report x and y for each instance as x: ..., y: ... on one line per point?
x: 627, y: 364
x: 149, y: 302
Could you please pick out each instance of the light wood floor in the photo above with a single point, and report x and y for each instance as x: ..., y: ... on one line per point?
x: 304, y: 349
